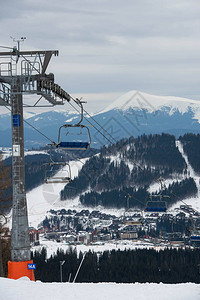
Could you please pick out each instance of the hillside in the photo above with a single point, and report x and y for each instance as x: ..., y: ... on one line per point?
x: 131, y: 166
x: 191, y: 146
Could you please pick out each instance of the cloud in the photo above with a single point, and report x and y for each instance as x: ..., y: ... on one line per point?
x: 111, y: 45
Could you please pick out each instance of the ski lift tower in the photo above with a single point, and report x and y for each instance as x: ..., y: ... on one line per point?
x: 24, y: 73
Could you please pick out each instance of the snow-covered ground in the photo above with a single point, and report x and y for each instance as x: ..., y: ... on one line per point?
x: 100, y: 247
x: 23, y: 289
x: 7, y: 152
x: 47, y: 196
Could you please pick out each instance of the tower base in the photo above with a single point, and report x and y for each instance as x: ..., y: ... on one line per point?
x: 19, y: 269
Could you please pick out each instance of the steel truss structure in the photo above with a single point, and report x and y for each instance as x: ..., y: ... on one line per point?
x: 24, y: 73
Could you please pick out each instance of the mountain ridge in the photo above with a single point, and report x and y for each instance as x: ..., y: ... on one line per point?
x: 136, y: 99
x: 132, y: 114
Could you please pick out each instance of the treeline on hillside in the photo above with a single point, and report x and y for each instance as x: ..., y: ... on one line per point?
x: 129, y: 266
x: 35, y: 168
x: 35, y: 164
x: 153, y: 149
x: 191, y: 146
x: 118, y: 198
x: 180, y: 190
x: 157, y: 150
x: 133, y: 162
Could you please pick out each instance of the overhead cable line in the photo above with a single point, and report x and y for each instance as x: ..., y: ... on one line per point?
x: 92, y: 125
x: 95, y: 121
x: 44, y: 135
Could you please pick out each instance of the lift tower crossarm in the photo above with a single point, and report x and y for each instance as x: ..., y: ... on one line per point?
x: 32, y: 75
x: 29, y: 53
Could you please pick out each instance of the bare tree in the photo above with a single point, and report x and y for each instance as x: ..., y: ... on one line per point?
x: 5, y: 204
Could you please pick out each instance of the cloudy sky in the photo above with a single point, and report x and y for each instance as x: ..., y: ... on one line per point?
x: 109, y: 47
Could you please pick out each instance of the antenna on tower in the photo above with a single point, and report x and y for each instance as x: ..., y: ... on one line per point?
x: 16, y: 49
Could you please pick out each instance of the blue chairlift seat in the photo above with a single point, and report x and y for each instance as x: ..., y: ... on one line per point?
x: 73, y: 145
x: 77, y: 145
x: 195, y: 238
x: 156, y: 206
x: 156, y: 209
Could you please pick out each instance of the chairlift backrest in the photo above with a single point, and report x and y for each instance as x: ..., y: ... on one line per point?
x: 50, y: 175
x: 73, y: 145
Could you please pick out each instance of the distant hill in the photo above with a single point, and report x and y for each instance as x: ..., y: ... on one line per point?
x: 132, y: 114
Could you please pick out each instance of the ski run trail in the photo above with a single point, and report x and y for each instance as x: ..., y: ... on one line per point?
x: 194, y: 202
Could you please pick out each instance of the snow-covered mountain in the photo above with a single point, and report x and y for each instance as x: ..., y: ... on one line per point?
x: 151, y: 103
x: 132, y: 114
x: 135, y: 113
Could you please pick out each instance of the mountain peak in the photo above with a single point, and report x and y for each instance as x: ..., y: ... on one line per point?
x: 137, y: 100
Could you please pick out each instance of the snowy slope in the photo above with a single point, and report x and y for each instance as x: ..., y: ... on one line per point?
x: 47, y: 196
x: 194, y: 202
x: 24, y: 289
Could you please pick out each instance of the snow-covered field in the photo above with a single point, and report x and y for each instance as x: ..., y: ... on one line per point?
x: 99, y: 247
x: 23, y: 289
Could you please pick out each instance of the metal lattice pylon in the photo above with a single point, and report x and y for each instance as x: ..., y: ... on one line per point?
x: 23, y: 72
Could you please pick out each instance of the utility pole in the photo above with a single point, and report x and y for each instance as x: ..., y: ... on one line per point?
x: 22, y: 73
x: 61, y: 264
x: 79, y: 267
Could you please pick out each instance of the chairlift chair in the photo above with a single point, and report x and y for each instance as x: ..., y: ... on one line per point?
x: 157, y: 206
x: 195, y: 237
x: 138, y: 222
x: 53, y: 171
x: 195, y: 233
x: 52, y: 177
x: 128, y: 218
x: 74, y: 145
